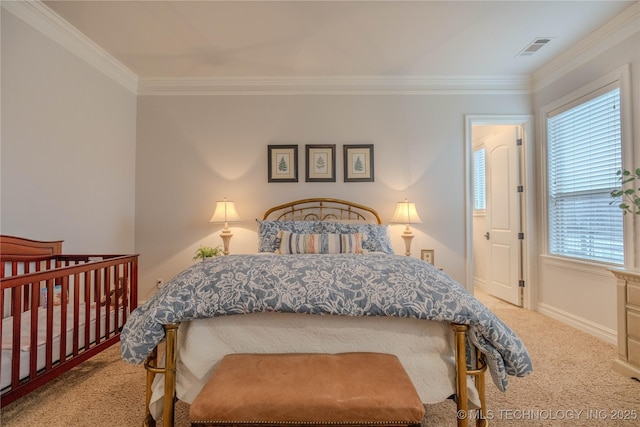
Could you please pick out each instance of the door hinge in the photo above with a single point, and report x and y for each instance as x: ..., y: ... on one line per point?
x: 520, y: 189
x: 520, y: 236
x: 521, y: 283
x: 519, y: 141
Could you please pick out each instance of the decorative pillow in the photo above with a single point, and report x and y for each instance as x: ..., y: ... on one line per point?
x: 268, y: 240
x: 377, y: 236
x: 294, y: 243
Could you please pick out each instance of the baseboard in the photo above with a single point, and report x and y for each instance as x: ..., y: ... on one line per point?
x: 480, y: 283
x: 591, y: 328
x: 626, y: 368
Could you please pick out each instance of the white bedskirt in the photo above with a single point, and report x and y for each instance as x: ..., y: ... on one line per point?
x: 425, y: 348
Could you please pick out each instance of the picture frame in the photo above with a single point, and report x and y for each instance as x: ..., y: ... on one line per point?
x: 282, y: 163
x: 428, y: 255
x: 320, y: 163
x: 358, y: 163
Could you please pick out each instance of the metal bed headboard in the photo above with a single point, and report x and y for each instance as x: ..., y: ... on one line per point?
x: 322, y: 209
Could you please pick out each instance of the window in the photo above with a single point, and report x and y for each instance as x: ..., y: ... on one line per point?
x: 583, y: 154
x: 479, y: 182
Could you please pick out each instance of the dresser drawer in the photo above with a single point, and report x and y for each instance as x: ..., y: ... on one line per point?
x: 633, y: 324
x: 633, y: 294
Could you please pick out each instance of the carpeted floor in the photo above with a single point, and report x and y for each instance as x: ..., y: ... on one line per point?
x: 572, y: 385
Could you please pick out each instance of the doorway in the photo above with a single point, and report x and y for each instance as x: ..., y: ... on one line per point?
x: 500, y: 234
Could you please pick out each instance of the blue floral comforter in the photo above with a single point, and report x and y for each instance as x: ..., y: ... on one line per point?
x: 344, y: 284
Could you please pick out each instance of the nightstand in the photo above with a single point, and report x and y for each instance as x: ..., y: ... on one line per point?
x: 628, y: 306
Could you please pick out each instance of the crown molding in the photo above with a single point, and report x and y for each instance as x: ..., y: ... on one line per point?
x: 39, y: 16
x: 357, y: 85
x: 43, y: 19
x: 613, y: 32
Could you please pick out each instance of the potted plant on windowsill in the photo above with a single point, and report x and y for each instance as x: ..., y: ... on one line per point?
x: 628, y: 198
x: 207, y: 252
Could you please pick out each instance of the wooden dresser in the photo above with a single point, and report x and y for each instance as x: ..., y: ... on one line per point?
x: 628, y: 361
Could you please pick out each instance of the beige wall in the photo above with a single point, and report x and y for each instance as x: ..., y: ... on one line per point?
x: 68, y: 147
x: 583, y: 294
x: 193, y: 150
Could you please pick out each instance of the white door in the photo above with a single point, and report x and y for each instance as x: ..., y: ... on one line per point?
x: 503, y: 215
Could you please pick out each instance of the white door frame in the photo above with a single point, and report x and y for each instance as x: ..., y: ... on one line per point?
x: 528, y: 209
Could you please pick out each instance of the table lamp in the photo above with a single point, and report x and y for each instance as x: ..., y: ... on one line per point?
x: 225, y: 213
x: 406, y: 214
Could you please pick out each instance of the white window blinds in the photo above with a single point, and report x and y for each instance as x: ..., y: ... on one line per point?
x: 584, y: 153
x: 479, y: 182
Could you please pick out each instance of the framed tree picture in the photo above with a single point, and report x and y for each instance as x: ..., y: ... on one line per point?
x: 320, y: 163
x: 283, y: 163
x: 358, y: 163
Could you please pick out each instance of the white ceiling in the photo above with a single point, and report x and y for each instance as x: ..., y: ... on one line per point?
x: 292, y: 39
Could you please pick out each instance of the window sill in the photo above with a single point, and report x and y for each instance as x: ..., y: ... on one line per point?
x: 590, y: 267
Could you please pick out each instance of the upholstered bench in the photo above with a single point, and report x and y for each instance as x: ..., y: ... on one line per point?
x: 308, y: 389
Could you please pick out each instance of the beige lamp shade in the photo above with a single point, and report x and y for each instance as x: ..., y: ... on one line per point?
x: 225, y: 212
x: 406, y: 213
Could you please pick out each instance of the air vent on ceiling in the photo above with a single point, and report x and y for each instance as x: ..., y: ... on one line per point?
x: 534, y: 46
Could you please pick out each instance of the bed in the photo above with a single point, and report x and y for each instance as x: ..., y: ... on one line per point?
x: 58, y: 310
x: 325, y: 280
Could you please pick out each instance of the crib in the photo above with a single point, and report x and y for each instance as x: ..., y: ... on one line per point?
x: 58, y: 310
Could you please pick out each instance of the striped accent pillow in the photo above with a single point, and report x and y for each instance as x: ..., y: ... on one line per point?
x: 294, y: 243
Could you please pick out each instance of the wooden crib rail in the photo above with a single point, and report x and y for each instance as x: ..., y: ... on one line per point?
x: 52, y: 271
x: 61, y: 293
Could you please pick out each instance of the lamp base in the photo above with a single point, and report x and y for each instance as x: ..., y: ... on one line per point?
x: 226, y: 236
x: 408, y: 237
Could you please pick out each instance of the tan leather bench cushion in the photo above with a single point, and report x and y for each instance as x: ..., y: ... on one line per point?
x: 307, y: 388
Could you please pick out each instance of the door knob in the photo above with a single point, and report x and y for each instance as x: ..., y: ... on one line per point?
x: 487, y: 235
